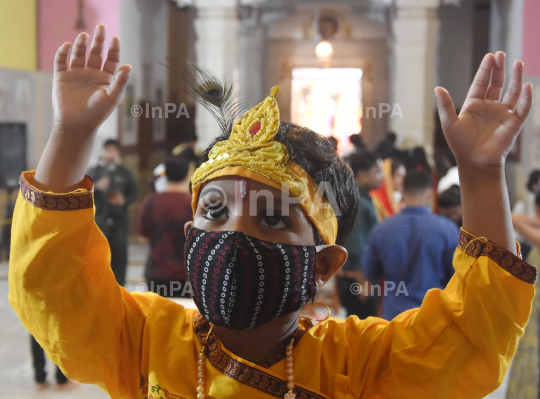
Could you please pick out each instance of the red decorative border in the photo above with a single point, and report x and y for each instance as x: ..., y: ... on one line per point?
x: 57, y: 202
x: 241, y: 372
x: 269, y: 361
x: 512, y: 264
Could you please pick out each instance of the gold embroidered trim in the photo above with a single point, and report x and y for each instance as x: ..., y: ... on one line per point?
x: 244, y: 373
x: 512, y: 264
x: 57, y: 202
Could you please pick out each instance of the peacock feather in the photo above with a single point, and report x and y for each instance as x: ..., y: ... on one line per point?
x: 213, y: 93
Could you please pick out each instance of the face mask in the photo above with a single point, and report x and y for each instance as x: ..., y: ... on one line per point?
x: 241, y: 282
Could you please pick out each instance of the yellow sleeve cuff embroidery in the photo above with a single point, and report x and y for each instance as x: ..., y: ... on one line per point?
x: 518, y: 268
x: 82, y: 198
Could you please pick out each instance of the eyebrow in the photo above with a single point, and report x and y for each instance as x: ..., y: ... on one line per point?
x: 276, y: 196
x: 215, y: 188
x: 293, y: 207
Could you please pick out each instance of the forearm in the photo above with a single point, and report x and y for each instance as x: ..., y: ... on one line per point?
x: 64, y: 161
x: 527, y: 220
x: 486, y: 206
x: 529, y: 231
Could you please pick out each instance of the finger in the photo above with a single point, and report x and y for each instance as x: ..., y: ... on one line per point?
x: 95, y: 58
x: 511, y: 97
x: 497, y: 78
x: 447, y: 111
x: 120, y: 81
x: 113, y: 56
x: 525, y: 102
x: 78, y: 54
x: 481, y: 79
x: 60, y: 59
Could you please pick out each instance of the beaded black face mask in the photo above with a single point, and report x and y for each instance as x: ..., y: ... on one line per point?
x: 241, y: 282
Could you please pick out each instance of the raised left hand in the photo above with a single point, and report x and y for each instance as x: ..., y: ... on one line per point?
x: 485, y: 130
x: 86, y: 91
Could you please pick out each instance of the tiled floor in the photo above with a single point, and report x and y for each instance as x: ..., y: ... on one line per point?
x: 16, y: 373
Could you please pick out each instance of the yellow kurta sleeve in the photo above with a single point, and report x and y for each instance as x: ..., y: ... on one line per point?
x: 63, y: 289
x: 460, y: 342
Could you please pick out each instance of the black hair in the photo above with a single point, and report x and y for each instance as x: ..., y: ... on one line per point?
x: 357, y: 141
x: 189, y: 154
x: 385, y: 150
x: 110, y: 142
x: 417, y: 181
x: 333, y: 141
x: 176, y: 168
x: 189, y: 136
x: 450, y: 198
x: 534, y: 179
x: 315, y: 154
x: 361, y: 161
x: 416, y: 159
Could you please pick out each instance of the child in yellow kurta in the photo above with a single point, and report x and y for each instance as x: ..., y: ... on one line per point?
x: 458, y: 344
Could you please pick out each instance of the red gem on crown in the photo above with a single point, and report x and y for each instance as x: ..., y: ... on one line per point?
x: 255, y: 128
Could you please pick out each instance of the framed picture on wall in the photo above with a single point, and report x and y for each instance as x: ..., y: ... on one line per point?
x: 12, y: 153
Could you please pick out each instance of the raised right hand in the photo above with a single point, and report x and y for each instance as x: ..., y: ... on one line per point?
x: 86, y: 93
x: 483, y: 133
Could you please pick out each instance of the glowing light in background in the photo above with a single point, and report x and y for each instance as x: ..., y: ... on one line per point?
x: 324, y: 50
x: 328, y: 101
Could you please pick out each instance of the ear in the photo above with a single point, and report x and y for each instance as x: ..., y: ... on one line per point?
x: 329, y: 261
x: 186, y: 226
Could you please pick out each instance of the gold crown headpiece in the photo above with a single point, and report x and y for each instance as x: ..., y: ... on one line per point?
x: 252, y: 152
x: 251, y: 145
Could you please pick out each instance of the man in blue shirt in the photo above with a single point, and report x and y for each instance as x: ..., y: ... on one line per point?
x: 412, y: 251
x: 367, y: 169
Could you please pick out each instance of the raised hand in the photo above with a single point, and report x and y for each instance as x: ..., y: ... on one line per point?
x: 484, y: 131
x: 84, y: 95
x: 480, y: 138
x: 86, y: 92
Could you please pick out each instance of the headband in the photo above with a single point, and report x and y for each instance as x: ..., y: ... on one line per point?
x: 252, y: 152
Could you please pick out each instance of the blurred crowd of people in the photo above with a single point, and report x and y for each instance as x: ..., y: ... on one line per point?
x: 406, y: 231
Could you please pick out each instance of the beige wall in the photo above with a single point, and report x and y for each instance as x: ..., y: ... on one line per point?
x: 360, y: 43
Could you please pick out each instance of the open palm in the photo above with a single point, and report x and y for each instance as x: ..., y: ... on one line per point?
x: 85, y: 93
x: 486, y: 128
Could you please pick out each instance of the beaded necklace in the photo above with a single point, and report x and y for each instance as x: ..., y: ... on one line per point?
x: 201, y: 362
x: 288, y: 353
